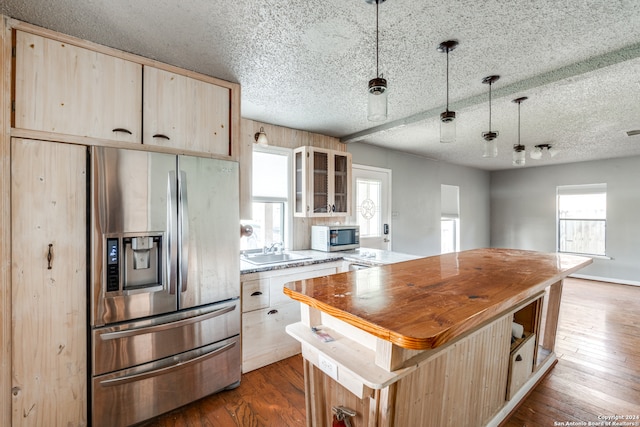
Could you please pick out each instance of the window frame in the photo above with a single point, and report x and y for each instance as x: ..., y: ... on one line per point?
x: 288, y: 205
x: 577, y: 190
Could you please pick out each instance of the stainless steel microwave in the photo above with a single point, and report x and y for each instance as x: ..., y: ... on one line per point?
x: 330, y: 238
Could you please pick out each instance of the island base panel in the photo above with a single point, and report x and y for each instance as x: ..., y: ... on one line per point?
x: 464, y: 384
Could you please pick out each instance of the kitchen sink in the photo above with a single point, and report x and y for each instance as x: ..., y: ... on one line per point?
x: 261, y: 259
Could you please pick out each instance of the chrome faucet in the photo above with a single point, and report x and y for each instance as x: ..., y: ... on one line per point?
x: 273, y: 248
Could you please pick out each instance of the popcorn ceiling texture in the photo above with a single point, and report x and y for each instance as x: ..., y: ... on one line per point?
x: 306, y: 65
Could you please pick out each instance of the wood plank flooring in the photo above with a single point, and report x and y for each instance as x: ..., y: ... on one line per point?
x: 598, y: 373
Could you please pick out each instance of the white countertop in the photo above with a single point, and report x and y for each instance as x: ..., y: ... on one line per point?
x: 363, y: 256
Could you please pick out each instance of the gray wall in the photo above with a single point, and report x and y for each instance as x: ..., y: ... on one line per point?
x: 523, y: 211
x: 415, y: 196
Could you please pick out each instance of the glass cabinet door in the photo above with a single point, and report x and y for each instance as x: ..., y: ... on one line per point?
x: 320, y: 183
x: 300, y: 203
x: 341, y: 182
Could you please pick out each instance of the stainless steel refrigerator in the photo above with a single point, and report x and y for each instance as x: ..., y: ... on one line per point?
x: 165, y: 282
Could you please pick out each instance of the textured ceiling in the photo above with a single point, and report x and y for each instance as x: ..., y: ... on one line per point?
x: 306, y: 65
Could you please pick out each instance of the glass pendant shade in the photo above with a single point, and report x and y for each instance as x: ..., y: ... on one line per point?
x: 519, y: 155
x: 448, y: 127
x: 490, y: 149
x: 377, y: 110
x: 536, y: 154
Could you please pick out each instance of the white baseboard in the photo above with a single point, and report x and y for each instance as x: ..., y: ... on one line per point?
x: 606, y: 279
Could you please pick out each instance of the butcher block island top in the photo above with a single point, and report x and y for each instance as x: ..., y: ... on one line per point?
x: 424, y: 303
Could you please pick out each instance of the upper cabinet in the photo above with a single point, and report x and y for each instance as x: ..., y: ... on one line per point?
x: 322, y: 180
x: 89, y: 91
x: 66, y: 89
x: 185, y: 112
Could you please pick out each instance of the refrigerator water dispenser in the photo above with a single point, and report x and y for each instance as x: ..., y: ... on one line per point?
x: 138, y: 260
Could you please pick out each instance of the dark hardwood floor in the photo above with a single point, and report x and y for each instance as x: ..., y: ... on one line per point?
x: 597, y: 375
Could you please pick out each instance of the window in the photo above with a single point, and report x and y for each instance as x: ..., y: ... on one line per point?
x: 270, y: 187
x: 582, y: 218
x: 449, y: 218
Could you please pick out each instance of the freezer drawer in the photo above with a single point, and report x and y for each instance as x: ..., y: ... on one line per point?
x: 135, y: 343
x: 137, y: 394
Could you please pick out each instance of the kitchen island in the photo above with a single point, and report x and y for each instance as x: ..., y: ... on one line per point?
x: 449, y: 340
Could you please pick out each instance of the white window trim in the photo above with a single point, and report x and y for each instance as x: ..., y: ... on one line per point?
x: 577, y: 189
x: 288, y: 205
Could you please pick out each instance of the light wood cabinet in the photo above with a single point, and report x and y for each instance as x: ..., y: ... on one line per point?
x: 520, y: 365
x: 65, y: 89
x: 49, y: 281
x: 183, y: 112
x: 322, y: 182
x: 266, y: 311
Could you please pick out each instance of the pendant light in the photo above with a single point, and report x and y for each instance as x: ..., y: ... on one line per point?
x: 519, y: 153
x: 447, y: 118
x: 490, y: 145
x: 377, y: 110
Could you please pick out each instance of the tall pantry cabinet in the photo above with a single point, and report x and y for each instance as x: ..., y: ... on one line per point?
x: 49, y: 282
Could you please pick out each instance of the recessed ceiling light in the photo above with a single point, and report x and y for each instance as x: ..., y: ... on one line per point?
x: 633, y: 132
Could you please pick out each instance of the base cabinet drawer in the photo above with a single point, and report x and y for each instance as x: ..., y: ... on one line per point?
x: 255, y: 295
x: 520, y: 365
x: 264, y: 339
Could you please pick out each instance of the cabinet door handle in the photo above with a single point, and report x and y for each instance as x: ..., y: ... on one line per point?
x: 272, y: 312
x: 518, y: 358
x: 256, y: 293
x: 159, y: 135
x: 50, y: 256
x: 122, y: 130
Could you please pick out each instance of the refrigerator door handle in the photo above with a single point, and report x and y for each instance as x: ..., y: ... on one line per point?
x: 183, y: 233
x: 164, y: 326
x: 172, y: 211
x: 155, y: 372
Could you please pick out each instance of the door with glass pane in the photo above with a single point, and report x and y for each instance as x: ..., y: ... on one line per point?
x: 372, y: 206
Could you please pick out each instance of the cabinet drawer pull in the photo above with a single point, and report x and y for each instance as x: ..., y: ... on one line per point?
x: 122, y: 130
x: 256, y: 293
x: 50, y: 256
x: 272, y: 312
x: 159, y: 135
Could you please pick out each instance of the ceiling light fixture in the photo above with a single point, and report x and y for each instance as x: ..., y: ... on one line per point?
x: 447, y: 118
x: 540, y: 149
x: 377, y: 110
x: 490, y: 145
x: 261, y: 137
x: 519, y: 153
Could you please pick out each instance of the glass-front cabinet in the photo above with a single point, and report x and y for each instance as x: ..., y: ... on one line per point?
x: 322, y: 182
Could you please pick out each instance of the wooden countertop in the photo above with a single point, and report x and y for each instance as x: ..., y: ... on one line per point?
x: 424, y: 303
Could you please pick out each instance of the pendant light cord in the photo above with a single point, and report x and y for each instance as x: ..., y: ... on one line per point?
x: 377, y: 36
x: 447, y: 79
x: 519, y: 123
x: 490, y: 83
